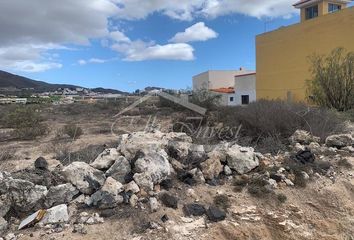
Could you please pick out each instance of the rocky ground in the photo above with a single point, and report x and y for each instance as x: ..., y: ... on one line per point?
x: 156, y: 185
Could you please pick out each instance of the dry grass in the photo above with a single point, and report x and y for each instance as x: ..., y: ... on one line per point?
x: 6, y: 154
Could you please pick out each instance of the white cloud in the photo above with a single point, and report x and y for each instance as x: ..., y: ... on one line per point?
x: 190, y: 9
x: 30, y: 66
x: 178, y: 51
x: 28, y: 58
x: 93, y: 60
x: 30, y: 28
x: 137, y: 9
x: 197, y: 32
x: 255, y: 8
x: 82, y: 62
x: 139, y: 50
x: 118, y: 36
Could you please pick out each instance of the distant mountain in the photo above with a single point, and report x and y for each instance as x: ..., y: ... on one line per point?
x: 107, y: 90
x: 147, y: 89
x: 15, y: 82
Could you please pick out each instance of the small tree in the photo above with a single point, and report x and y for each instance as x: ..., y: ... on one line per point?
x: 332, y: 83
x: 206, y: 99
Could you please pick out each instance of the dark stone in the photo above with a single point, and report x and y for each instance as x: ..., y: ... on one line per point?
x: 164, y: 218
x: 41, y: 163
x: 186, y: 178
x: 129, y: 177
x: 215, y: 214
x: 169, y: 201
x: 40, y: 177
x: 194, y: 209
x: 106, y: 213
x: 166, y: 184
x: 126, y: 196
x: 305, y: 156
x: 93, y: 183
x: 275, y: 177
x: 213, y: 182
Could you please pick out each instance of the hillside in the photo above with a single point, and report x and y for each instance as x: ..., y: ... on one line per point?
x: 12, y: 81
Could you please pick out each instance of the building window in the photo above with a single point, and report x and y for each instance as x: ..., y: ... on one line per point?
x: 245, y: 99
x: 231, y: 99
x: 312, y: 12
x: 333, y: 7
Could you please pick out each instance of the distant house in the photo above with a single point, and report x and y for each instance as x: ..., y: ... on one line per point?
x: 236, y: 87
x: 13, y: 101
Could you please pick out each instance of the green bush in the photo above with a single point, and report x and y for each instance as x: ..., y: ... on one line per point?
x: 332, y: 83
x: 27, y: 122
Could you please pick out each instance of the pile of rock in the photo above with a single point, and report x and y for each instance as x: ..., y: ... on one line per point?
x: 302, y: 140
x: 142, y: 163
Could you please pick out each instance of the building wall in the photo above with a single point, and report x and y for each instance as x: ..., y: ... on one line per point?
x: 201, y: 81
x: 216, y: 79
x: 245, y: 85
x: 283, y: 64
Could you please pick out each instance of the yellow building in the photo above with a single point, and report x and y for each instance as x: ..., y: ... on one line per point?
x: 283, y: 64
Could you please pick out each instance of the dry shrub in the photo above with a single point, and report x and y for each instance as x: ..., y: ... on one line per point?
x: 6, y: 154
x: 222, y: 201
x: 268, y: 124
x: 259, y: 188
x: 239, y: 184
x: 64, y: 152
x: 27, y: 122
x: 282, y: 198
x: 344, y: 163
x: 73, y: 131
x: 206, y: 99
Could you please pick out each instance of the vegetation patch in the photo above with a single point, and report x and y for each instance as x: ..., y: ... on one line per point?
x: 73, y: 131
x: 27, y: 123
x: 344, y: 163
x: 222, y: 201
x: 282, y: 197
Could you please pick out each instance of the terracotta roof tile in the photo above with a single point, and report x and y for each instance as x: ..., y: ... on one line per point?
x: 224, y: 90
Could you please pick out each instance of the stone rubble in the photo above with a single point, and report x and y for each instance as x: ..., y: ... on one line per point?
x: 142, y: 172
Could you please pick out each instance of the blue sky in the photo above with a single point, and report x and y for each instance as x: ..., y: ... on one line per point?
x: 110, y: 45
x: 234, y: 47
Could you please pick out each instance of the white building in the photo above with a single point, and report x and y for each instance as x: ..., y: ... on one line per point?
x: 245, y: 89
x: 236, y: 87
x: 215, y: 79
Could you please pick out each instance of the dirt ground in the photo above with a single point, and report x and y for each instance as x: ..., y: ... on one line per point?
x: 322, y: 210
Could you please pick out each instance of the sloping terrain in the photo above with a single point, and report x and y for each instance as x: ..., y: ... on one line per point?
x: 8, y: 80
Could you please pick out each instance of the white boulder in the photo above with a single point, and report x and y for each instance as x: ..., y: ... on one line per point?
x: 57, y: 214
x: 151, y: 169
x: 106, y: 159
x: 86, y: 178
x: 242, y: 159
